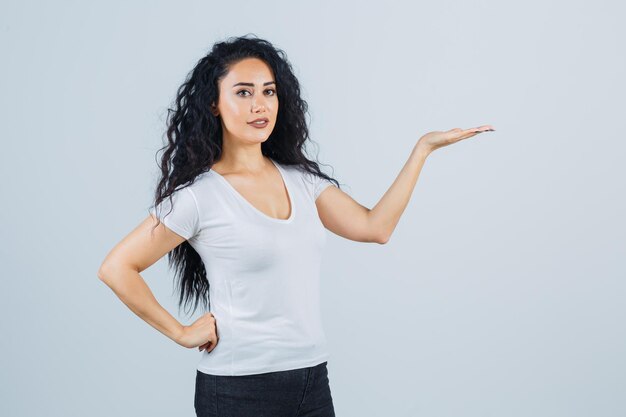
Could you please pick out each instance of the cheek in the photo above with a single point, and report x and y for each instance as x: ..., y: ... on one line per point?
x: 233, y: 108
x: 233, y: 113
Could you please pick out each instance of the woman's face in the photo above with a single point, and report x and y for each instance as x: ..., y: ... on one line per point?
x: 246, y: 93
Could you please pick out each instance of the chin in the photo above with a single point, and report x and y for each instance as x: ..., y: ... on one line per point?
x: 258, y: 139
x: 262, y: 136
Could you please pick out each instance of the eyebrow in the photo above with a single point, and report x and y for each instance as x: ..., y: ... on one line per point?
x: 252, y: 85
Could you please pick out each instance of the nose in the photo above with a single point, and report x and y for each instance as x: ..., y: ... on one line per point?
x: 257, y: 105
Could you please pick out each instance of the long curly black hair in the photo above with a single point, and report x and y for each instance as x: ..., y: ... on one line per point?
x: 194, y: 140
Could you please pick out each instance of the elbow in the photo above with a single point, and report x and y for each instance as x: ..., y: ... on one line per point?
x: 115, y: 274
x: 107, y: 271
x: 102, y: 272
x: 378, y: 236
x: 378, y: 233
x: 381, y: 238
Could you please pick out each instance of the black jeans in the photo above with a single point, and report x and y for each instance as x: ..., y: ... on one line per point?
x: 303, y: 392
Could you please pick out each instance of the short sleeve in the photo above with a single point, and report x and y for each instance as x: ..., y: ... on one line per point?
x: 314, y: 183
x: 184, y: 219
x: 320, y: 185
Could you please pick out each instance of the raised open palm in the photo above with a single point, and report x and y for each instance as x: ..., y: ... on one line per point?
x: 435, y: 140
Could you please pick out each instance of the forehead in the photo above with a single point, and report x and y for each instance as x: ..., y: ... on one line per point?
x: 251, y: 70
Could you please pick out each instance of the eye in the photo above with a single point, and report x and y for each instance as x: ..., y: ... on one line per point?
x: 246, y: 91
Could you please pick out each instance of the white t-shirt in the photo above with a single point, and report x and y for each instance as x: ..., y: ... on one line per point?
x: 263, y: 272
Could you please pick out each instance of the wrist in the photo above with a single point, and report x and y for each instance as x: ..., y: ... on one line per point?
x: 179, y: 335
x: 421, y: 151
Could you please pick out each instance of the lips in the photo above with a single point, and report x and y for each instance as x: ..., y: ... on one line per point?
x: 262, y: 119
x: 261, y: 123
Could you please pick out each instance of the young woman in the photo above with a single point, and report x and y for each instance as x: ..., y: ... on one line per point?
x: 241, y: 213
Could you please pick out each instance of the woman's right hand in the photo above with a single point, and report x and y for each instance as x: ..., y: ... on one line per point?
x: 201, y: 334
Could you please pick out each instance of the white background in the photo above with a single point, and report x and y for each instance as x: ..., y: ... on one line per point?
x: 501, y: 291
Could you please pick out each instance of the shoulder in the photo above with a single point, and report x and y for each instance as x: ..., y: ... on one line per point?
x: 202, y: 182
x: 195, y: 191
x: 294, y: 170
x: 298, y: 175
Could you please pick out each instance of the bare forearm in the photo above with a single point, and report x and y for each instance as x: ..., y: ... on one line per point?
x: 131, y: 288
x: 384, y: 216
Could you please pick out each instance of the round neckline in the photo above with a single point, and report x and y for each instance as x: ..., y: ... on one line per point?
x: 246, y: 202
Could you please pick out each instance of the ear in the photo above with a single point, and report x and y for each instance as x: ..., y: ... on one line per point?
x: 214, y: 110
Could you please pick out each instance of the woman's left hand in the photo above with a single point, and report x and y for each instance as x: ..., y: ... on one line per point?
x: 435, y: 140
